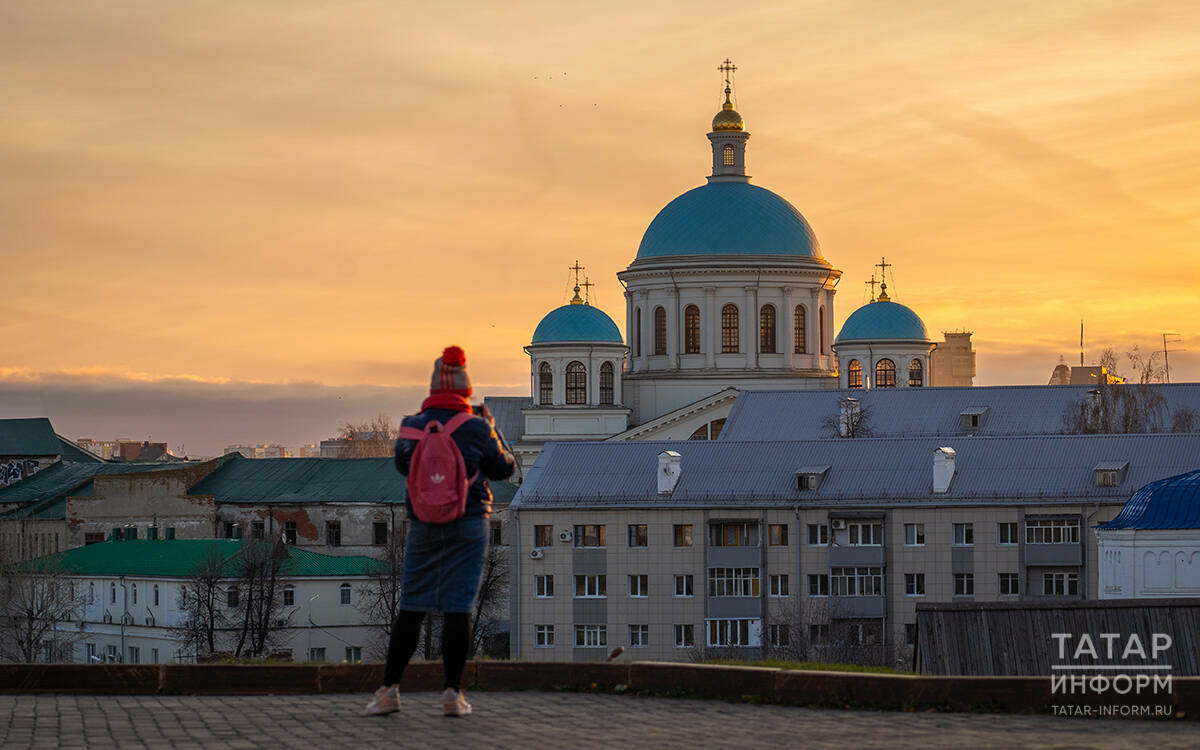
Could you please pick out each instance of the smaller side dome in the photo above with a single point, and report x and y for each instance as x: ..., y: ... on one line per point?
x: 576, y: 323
x: 882, y: 320
x: 728, y: 118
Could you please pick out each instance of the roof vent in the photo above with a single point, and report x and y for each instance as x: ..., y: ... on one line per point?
x: 973, y: 417
x: 943, y: 470
x: 1110, y: 473
x: 670, y: 469
x: 810, y: 477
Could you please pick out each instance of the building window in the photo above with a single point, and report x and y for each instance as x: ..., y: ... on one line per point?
x: 778, y: 635
x: 799, y: 335
x: 591, y: 636
x: 637, y: 332
x: 733, y: 535
x: 766, y: 329
x: 729, y: 329
x: 734, y: 633
x: 865, y: 534
x: 916, y: 375
x: 379, y: 532
x: 639, y: 535
x: 660, y: 331
x: 258, y: 530
x: 639, y: 636
x: 733, y: 582
x: 606, y: 383
x: 683, y: 535
x: 156, y: 594
x: 543, y: 587
x: 344, y: 594
x: 545, y: 384
x: 316, y: 653
x: 1052, y: 531
x: 496, y: 530
x: 818, y: 535
x: 231, y: 596
x: 1010, y: 584
x: 777, y: 535
x: 639, y: 586
x: 543, y: 535
x: 576, y: 383
x: 93, y: 537
x: 135, y: 655
x: 289, y: 532
x: 854, y: 374
x: 1060, y: 584
x: 333, y: 533
x: 818, y: 584
x: 885, y: 374
x: 543, y: 636
x: 289, y: 596
x: 914, y: 535
x: 856, y: 581
x: 133, y: 592
x: 964, y: 534
x: 1007, y: 532
x: 685, y: 636
x: 591, y: 587
x: 964, y: 584
x: 727, y: 155
x: 354, y: 654
x: 691, y: 330
x: 589, y: 535
x: 91, y: 598
x: 914, y: 584
x: 778, y: 585
x: 683, y: 585
x: 818, y: 633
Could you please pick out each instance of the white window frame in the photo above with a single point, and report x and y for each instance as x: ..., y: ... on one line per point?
x: 778, y: 586
x: 914, y: 584
x: 1068, y: 580
x: 779, y: 635
x: 1014, y: 539
x: 685, y: 583
x: 543, y: 587
x: 821, y: 532
x: 858, y: 532
x: 967, y: 587
x: 639, y: 586
x: 822, y: 580
x: 594, y: 586
x: 849, y: 581
x: 1012, y: 578
x: 917, y: 536
x: 591, y: 636
x: 639, y: 636
x: 580, y: 535
x: 543, y: 636
x: 1052, y: 531
x: 964, y: 535
x: 734, y: 582
x: 685, y: 636
x: 633, y: 527
x: 734, y: 631
x: 345, y: 595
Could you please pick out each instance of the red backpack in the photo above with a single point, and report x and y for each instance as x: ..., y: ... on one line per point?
x: 437, y: 475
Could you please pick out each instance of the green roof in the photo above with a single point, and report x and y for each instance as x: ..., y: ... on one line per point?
x: 179, y: 558
x: 61, y: 479
x: 71, y: 451
x: 28, y: 437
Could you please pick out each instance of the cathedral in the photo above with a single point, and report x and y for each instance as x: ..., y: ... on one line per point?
x: 728, y: 291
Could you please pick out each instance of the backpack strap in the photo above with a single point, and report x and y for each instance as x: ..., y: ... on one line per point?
x: 458, y: 420
x: 411, y: 433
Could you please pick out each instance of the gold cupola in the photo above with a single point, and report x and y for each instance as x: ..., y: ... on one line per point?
x: 728, y: 118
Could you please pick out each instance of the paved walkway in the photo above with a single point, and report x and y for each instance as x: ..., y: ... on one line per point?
x: 530, y: 721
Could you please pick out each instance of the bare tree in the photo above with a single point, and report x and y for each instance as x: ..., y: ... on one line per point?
x: 1149, y: 369
x: 853, y: 420
x: 38, y: 600
x: 379, y: 597
x: 258, y: 566
x: 372, y: 439
x: 1108, y: 360
x: 1185, y: 419
x: 1116, y: 409
x: 784, y: 638
x: 491, y: 603
x: 202, y: 600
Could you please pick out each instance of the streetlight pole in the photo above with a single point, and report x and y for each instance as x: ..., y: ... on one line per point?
x: 310, y: 625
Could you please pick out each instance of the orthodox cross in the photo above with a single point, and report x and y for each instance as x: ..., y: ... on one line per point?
x: 587, y: 290
x: 727, y: 68
x: 872, y: 284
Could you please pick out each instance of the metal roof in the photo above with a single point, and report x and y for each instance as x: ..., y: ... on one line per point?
x: 576, y: 323
x: 40, y: 492
x: 882, y: 320
x: 506, y: 410
x: 177, y: 558
x: 1172, y: 503
x: 913, y: 412
x: 71, y: 451
x: 28, y: 437
x: 870, y: 471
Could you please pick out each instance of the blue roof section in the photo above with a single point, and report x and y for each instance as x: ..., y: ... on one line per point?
x: 506, y: 410
x: 1056, y: 469
x: 729, y: 218
x: 28, y: 437
x: 882, y: 320
x: 1172, y: 503
x: 914, y: 412
x: 582, y: 323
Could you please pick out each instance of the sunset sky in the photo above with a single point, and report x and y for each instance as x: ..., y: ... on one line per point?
x: 300, y: 203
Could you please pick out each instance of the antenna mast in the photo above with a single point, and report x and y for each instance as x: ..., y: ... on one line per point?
x: 1169, y: 338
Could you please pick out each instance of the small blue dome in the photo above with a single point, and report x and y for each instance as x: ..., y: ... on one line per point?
x: 576, y: 323
x: 729, y: 218
x: 882, y: 320
x: 1172, y: 503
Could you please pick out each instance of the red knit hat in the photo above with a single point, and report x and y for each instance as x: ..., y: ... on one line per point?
x: 450, y: 373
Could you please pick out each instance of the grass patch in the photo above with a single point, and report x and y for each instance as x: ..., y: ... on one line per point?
x: 809, y: 666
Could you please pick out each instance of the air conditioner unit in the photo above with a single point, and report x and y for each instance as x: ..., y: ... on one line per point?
x: 537, y: 554
x: 566, y: 535
x: 838, y: 524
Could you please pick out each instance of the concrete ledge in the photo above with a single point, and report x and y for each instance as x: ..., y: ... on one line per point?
x: 237, y: 679
x: 710, y: 680
x: 112, y: 679
x: 509, y: 675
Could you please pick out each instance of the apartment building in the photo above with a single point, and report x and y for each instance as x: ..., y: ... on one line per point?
x: 814, y: 549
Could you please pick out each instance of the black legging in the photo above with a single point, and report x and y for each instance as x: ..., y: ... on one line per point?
x: 406, y: 631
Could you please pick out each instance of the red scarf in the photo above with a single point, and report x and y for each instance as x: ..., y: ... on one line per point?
x: 451, y: 401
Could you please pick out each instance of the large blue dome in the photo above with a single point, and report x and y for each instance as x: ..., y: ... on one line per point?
x: 729, y: 218
x: 1172, y: 503
x: 882, y: 320
x: 576, y: 322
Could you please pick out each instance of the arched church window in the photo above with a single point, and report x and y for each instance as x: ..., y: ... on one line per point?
x: 885, y: 374
x: 854, y: 374
x: 798, y: 333
x: 545, y: 385
x: 715, y: 427
x: 660, y: 331
x: 729, y: 329
x: 766, y: 329
x: 691, y: 330
x: 821, y: 329
x: 637, y: 332
x: 727, y: 155
x: 701, y: 433
x: 916, y: 374
x: 576, y: 383
x: 606, y: 383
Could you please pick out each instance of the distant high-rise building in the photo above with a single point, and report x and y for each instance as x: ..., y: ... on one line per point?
x: 312, y: 450
x: 953, y: 360
x: 260, y: 450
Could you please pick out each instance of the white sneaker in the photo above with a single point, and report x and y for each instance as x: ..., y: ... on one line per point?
x: 386, y: 701
x: 454, y: 703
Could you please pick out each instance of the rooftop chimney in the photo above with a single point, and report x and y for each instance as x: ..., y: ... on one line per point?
x: 669, y: 471
x: 943, y: 470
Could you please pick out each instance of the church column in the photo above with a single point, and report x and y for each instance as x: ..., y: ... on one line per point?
x: 710, y: 338
x: 629, y: 333
x: 751, y: 328
x: 673, y: 328
x: 644, y: 340
x: 811, y: 321
x: 788, y: 320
